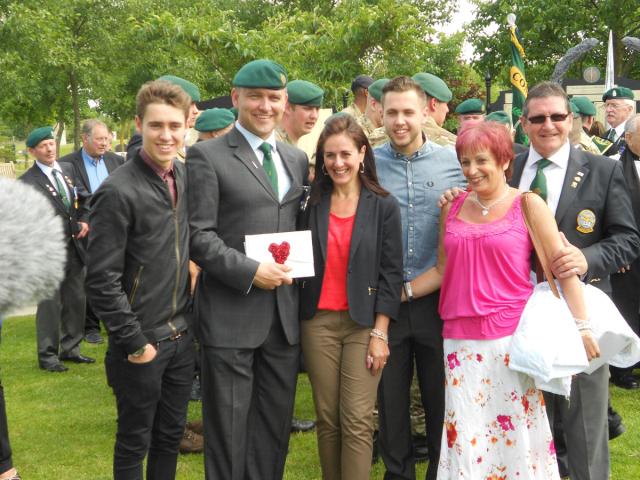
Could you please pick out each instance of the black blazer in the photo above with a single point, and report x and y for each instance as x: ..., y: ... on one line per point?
x: 70, y: 218
x: 626, y: 285
x: 614, y: 240
x: 374, y: 272
x: 111, y: 161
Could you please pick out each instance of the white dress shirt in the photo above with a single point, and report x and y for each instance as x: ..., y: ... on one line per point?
x: 48, y: 171
x: 554, y: 173
x: 284, y: 182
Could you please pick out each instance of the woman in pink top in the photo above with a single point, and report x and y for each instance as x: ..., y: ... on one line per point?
x: 495, y: 421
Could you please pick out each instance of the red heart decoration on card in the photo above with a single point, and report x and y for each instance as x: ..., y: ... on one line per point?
x: 280, y: 253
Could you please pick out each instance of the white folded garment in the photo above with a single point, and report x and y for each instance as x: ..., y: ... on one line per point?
x: 547, y: 344
x: 548, y: 347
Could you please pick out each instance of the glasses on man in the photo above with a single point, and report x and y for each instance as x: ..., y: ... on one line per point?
x: 555, y: 118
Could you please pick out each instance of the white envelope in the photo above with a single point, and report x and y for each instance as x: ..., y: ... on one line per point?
x: 300, y: 257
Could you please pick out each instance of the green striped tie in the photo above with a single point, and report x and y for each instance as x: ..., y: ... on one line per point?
x: 539, y: 184
x: 60, y: 188
x: 269, y: 166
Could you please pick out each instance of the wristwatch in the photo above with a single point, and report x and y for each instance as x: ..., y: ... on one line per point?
x: 408, y: 292
x: 139, y: 352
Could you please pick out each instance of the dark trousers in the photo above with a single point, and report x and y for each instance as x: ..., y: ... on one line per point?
x: 91, y: 321
x: 5, y: 448
x: 152, y: 400
x: 417, y: 333
x: 584, y: 421
x: 247, y: 405
x: 60, y: 319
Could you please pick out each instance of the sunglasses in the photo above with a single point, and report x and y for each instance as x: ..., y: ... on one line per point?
x: 555, y: 118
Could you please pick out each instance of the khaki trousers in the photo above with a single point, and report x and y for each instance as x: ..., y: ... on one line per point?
x: 344, y: 391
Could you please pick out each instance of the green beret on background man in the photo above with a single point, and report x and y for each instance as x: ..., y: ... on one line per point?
x: 504, y: 118
x: 374, y: 112
x: 577, y: 136
x: 214, y: 122
x: 470, y: 112
x: 619, y: 105
x: 304, y: 100
x: 438, y: 97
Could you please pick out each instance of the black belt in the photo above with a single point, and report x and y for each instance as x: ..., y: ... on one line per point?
x: 172, y: 330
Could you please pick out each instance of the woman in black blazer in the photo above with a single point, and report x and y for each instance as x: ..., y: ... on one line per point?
x: 347, y: 306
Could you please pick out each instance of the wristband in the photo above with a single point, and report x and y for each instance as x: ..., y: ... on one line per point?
x: 408, y: 291
x: 379, y: 334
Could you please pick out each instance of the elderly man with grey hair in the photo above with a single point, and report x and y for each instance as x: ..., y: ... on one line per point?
x: 626, y: 285
x: 619, y: 104
x: 92, y: 164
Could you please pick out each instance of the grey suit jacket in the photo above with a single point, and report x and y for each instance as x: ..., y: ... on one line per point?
x: 613, y: 240
x: 230, y: 197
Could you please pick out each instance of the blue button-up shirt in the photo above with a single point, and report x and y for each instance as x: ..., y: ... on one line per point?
x: 96, y: 170
x: 418, y: 182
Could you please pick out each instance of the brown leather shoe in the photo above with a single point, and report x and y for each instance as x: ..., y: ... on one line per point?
x: 191, y: 442
x: 196, y: 427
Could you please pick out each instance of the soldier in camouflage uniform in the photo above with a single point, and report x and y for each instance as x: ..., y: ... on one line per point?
x: 577, y: 136
x: 360, y: 89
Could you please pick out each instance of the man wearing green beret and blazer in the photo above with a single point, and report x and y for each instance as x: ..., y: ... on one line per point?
x: 60, y: 319
x: 619, y: 105
x: 245, y: 183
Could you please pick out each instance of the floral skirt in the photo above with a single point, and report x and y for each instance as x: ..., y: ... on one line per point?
x: 495, y: 424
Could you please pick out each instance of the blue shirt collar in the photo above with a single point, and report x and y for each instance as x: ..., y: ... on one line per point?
x: 88, y: 158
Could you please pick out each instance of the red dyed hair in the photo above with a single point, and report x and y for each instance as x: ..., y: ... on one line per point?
x: 491, y: 137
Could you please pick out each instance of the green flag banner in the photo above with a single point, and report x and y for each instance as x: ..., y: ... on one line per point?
x: 519, y: 86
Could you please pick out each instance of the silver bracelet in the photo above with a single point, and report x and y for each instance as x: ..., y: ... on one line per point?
x: 379, y: 334
x: 583, y: 325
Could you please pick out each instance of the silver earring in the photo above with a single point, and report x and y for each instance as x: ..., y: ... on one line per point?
x: 361, y: 167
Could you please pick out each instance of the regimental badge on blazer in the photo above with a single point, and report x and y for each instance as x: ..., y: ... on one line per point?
x: 586, y: 221
x: 52, y: 190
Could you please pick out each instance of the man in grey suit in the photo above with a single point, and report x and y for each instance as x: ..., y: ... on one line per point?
x: 244, y: 183
x: 592, y: 206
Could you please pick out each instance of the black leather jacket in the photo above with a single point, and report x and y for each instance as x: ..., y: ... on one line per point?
x: 138, y: 255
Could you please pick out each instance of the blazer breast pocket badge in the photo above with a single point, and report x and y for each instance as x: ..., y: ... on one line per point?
x: 586, y: 221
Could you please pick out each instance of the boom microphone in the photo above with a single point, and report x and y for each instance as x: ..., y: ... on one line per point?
x: 32, y: 246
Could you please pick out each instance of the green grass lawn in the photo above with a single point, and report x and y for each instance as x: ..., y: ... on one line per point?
x: 63, y: 425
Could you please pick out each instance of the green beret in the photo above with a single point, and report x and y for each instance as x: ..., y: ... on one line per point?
x: 433, y: 86
x: 499, y: 116
x: 618, y: 92
x: 375, y: 89
x: 186, y: 85
x: 469, y: 106
x: 301, y: 92
x: 38, y: 135
x: 574, y: 109
x: 585, y: 106
x: 261, y: 74
x: 214, y: 119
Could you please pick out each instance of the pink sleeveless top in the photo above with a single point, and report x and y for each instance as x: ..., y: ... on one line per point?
x: 486, y: 281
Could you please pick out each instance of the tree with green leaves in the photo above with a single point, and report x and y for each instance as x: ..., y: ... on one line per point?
x: 549, y: 28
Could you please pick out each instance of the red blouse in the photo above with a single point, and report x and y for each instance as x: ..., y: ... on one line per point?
x: 333, y: 295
